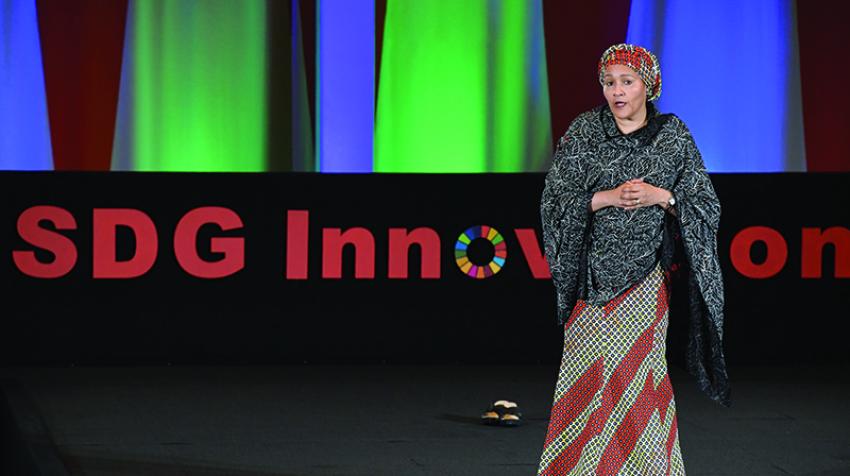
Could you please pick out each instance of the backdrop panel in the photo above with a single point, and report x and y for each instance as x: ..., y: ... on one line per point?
x: 204, y: 268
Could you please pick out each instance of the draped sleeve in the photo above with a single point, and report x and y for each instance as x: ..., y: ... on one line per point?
x: 698, y: 211
x: 565, y: 213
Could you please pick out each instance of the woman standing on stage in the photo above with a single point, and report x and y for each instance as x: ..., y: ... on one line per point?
x: 626, y: 180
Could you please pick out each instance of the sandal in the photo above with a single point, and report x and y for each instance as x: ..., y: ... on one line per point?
x: 502, y: 413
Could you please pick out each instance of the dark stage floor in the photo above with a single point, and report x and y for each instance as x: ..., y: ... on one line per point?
x: 399, y: 420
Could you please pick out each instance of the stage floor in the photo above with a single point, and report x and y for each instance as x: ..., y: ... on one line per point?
x: 404, y: 420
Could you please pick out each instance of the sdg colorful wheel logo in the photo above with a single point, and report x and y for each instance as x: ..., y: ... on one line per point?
x: 480, y: 268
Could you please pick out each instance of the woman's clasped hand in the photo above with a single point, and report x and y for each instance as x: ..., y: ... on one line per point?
x: 636, y: 193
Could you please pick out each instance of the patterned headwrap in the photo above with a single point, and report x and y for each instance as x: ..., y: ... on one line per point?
x: 639, y: 59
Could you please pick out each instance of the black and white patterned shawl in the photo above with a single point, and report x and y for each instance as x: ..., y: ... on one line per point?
x: 597, y: 256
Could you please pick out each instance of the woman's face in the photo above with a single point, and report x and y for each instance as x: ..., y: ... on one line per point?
x: 624, y: 91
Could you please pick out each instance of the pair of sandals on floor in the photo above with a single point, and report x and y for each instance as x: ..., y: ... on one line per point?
x: 502, y: 413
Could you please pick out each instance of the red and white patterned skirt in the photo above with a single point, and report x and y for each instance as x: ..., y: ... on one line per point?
x: 614, y: 412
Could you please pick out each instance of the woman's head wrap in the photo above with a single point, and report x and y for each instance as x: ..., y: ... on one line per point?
x: 639, y: 59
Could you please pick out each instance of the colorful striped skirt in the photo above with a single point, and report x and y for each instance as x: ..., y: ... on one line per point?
x: 614, y: 412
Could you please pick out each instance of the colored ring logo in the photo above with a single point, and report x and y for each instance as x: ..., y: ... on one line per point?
x: 480, y: 271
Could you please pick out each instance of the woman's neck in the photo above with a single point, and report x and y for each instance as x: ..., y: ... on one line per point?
x: 631, y: 124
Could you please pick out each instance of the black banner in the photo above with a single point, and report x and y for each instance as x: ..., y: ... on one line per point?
x: 251, y: 268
